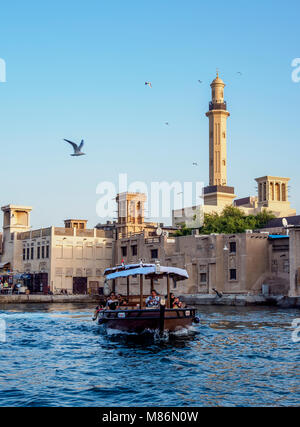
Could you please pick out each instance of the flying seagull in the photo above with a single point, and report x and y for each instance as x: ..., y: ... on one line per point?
x: 148, y: 84
x: 77, y: 149
x: 167, y: 123
x: 200, y: 81
x: 195, y: 164
x: 239, y: 72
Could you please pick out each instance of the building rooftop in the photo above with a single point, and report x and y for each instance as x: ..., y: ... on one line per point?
x: 277, y: 222
x: 278, y: 236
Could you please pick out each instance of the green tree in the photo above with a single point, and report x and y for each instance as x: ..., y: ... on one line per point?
x: 231, y: 221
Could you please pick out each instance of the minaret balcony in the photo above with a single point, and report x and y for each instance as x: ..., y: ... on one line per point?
x: 217, y: 106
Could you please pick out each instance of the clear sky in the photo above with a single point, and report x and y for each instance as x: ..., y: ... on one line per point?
x: 76, y: 69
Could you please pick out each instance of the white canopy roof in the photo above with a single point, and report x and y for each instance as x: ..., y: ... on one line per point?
x: 146, y: 270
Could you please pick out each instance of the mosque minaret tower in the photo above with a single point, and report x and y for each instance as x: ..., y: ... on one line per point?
x: 217, y: 115
x: 218, y: 193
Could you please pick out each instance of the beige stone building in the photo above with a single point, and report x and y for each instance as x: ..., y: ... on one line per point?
x: 232, y: 264
x: 70, y: 258
x: 131, y: 218
x: 294, y: 290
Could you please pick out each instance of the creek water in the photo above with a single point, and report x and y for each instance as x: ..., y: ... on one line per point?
x: 54, y: 355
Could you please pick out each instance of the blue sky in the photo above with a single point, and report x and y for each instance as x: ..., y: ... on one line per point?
x: 77, y: 70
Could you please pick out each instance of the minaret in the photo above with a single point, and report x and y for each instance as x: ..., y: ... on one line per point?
x: 218, y: 193
x: 217, y: 115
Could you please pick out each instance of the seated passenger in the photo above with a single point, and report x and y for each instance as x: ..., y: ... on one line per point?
x: 120, y: 299
x: 177, y: 303
x: 112, y: 302
x: 172, y: 299
x: 153, y: 301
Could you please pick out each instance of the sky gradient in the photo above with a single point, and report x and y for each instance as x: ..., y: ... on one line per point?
x: 77, y: 70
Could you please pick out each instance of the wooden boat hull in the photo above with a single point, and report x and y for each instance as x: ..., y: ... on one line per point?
x: 138, y: 321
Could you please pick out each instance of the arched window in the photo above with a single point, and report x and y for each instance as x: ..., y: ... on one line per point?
x: 260, y: 192
x: 283, y: 192
x: 277, y: 191
x: 272, y: 194
x: 264, y: 191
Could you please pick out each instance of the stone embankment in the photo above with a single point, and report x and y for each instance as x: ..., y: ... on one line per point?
x: 48, y: 299
x: 242, y: 300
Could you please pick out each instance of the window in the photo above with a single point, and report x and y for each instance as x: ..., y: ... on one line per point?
x: 124, y: 251
x: 24, y: 254
x: 232, y: 247
x: 233, y: 274
x: 154, y: 253
x: 134, y: 250
x: 47, y: 251
x: 43, y: 251
x: 38, y: 252
x: 203, y: 278
x: 286, y: 266
x: 32, y: 253
x: 28, y: 249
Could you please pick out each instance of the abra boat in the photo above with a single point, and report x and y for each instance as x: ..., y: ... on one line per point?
x: 140, y: 318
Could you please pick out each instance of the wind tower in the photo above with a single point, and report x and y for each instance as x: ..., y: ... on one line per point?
x: 218, y: 193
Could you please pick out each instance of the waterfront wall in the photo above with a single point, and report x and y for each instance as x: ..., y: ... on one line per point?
x: 242, y: 300
x: 197, y: 299
x: 48, y: 299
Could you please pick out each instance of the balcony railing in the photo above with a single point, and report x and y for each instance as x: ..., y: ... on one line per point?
x: 217, y: 106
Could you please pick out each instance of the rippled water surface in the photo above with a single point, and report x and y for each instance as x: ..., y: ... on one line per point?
x: 56, y: 356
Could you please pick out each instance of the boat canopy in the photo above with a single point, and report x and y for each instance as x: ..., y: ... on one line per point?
x: 152, y: 271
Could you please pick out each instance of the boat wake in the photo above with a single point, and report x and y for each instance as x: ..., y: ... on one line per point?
x: 154, y: 335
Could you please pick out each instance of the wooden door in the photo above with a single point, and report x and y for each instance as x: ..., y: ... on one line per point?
x: 79, y: 285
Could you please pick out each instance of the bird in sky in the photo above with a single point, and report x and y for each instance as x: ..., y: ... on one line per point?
x: 195, y: 164
x: 239, y: 72
x: 167, y: 123
x: 148, y: 84
x: 77, y: 149
x: 200, y: 81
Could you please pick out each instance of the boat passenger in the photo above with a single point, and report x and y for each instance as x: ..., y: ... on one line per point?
x: 177, y: 303
x: 122, y: 301
x: 172, y: 299
x: 112, y: 302
x: 153, y: 301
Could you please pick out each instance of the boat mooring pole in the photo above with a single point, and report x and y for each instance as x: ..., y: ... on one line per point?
x: 141, y: 291
x: 168, y: 291
x: 128, y: 288
x: 162, y: 318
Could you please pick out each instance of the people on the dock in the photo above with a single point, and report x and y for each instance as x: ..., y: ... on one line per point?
x: 153, y: 300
